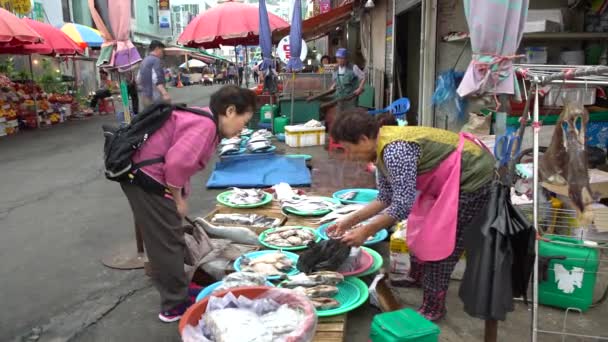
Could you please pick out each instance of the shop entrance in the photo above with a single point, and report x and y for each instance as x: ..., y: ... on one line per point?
x: 407, y: 57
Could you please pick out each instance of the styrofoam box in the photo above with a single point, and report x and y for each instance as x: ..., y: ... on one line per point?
x: 301, y: 136
x: 556, y: 15
x: 541, y: 26
x: 557, y: 96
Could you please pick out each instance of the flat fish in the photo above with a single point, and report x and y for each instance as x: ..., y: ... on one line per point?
x: 348, y: 195
x: 236, y: 234
x: 313, y: 279
x: 227, y: 149
x: 245, y: 196
x: 339, y: 212
x: 318, y: 291
x: 324, y: 303
x: 252, y: 220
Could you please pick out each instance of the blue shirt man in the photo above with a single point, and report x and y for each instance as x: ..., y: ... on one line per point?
x: 151, y: 77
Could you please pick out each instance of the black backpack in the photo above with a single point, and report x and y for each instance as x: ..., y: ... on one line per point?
x: 122, y: 142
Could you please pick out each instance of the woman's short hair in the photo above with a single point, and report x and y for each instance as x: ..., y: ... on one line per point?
x: 243, y: 99
x: 353, y: 124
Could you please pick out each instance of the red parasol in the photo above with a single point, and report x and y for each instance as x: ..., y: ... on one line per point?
x: 229, y: 23
x: 15, y: 32
x: 55, y: 41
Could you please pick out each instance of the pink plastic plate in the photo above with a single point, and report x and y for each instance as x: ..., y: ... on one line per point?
x: 367, y: 260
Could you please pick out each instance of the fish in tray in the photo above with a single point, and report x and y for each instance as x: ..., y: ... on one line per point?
x: 318, y: 291
x: 251, y: 220
x: 231, y: 148
x: 231, y: 141
x: 259, y: 146
x: 271, y: 264
x: 339, y: 212
x: 313, y: 279
x: 324, y: 303
x: 245, y: 196
x: 308, y: 204
x: 348, y: 195
x: 289, y: 237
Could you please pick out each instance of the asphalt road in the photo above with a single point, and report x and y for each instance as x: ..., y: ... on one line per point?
x: 58, y: 217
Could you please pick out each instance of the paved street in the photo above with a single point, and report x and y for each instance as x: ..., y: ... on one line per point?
x: 59, y: 216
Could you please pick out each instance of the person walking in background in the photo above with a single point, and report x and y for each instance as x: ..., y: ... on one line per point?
x: 151, y: 77
x: 256, y: 77
x: 231, y: 74
x: 241, y: 70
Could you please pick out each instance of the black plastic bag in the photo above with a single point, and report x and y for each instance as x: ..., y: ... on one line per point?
x: 500, y: 258
x: 327, y: 255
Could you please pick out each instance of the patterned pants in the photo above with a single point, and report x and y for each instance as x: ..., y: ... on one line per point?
x: 434, y: 276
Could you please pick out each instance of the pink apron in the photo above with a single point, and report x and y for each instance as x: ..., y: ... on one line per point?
x: 431, y: 226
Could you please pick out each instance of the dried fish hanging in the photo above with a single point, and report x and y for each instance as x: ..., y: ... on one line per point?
x: 588, y: 75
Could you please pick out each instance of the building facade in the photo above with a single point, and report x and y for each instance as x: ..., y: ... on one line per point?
x: 145, y: 25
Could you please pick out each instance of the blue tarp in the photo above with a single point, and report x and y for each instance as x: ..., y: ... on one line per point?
x: 253, y: 171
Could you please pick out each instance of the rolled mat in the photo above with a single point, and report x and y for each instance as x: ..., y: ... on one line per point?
x: 256, y: 171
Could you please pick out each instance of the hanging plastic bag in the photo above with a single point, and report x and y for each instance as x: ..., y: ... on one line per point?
x: 446, y: 99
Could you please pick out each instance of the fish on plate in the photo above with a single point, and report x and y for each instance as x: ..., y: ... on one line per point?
x: 347, y: 196
x: 271, y: 264
x: 250, y: 220
x: 308, y: 204
x: 245, y: 196
x: 324, y: 303
x: 313, y: 279
x: 289, y: 237
x: 339, y: 212
x: 318, y: 291
x: 230, y: 148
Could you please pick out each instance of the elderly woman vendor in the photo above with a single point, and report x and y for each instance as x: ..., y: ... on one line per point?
x: 452, y: 174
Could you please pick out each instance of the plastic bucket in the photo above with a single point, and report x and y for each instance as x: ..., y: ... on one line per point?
x: 194, y: 314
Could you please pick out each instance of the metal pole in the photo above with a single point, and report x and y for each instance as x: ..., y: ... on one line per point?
x: 536, y: 131
x: 246, y: 71
x: 293, y: 85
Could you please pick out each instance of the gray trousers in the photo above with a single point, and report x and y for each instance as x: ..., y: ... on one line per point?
x: 164, y: 242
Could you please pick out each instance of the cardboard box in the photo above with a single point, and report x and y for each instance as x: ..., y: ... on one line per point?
x: 541, y: 26
x: 597, y: 179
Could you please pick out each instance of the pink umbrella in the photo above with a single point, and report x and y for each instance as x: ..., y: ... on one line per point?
x: 230, y: 23
x: 14, y: 32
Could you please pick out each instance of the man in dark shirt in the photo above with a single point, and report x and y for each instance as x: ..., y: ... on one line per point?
x: 151, y: 77
x: 241, y: 70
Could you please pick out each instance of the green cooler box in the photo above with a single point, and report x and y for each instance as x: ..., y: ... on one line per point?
x: 303, y: 111
x: 403, y: 326
x: 570, y: 282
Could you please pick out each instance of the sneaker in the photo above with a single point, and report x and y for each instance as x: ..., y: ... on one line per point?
x: 174, y: 314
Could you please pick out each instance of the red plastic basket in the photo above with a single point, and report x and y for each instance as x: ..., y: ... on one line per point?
x: 194, y: 314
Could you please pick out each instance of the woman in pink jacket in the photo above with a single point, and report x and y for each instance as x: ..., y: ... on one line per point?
x: 158, y: 193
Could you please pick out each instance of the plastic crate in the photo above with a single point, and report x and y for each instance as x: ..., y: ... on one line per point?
x: 301, y: 136
x: 403, y: 326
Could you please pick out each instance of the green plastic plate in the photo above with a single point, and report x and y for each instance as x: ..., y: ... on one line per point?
x: 294, y: 248
x: 313, y: 213
x: 376, y: 266
x: 352, y: 293
x: 223, y: 199
x: 304, y: 156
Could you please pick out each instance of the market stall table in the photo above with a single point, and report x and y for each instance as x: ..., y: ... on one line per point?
x: 329, y: 329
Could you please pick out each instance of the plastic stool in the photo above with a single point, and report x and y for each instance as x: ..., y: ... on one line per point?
x: 333, y: 145
x: 106, y: 106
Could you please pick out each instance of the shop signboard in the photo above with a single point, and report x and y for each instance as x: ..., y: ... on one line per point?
x: 283, y: 50
x: 164, y: 14
x: 325, y: 6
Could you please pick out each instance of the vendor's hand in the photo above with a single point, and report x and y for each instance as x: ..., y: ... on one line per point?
x: 356, y: 237
x: 358, y: 91
x: 182, y: 208
x: 167, y: 97
x: 339, y: 228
